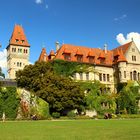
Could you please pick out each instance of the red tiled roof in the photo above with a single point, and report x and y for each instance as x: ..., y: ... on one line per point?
x: 79, y: 52
x: 66, y: 50
x: 43, y: 56
x: 84, y: 51
x: 91, y: 53
x: 18, y: 37
x: 102, y: 55
x: 109, y: 56
x: 121, y: 57
x: 52, y: 53
x: 116, y: 52
x: 124, y: 48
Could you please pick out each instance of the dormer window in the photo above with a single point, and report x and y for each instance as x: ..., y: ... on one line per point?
x: 79, y: 55
x: 91, y: 59
x: 102, y: 60
x: 17, y: 40
x: 116, y: 58
x: 91, y: 56
x: 102, y: 57
x: 67, y: 56
x: 22, y: 41
x: 80, y: 58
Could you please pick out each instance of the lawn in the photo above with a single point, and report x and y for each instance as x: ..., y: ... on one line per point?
x: 71, y: 130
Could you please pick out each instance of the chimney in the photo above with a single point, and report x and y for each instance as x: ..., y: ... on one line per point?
x: 105, y: 48
x: 57, y: 45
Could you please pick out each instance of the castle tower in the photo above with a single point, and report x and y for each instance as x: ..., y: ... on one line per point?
x: 17, y: 52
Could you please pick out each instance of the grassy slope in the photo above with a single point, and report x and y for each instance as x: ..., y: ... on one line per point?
x: 71, y: 130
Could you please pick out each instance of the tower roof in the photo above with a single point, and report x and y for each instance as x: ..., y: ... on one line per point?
x: 43, y: 56
x: 121, y: 57
x: 18, y: 37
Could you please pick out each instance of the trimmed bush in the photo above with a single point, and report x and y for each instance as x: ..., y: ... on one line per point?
x: 56, y: 115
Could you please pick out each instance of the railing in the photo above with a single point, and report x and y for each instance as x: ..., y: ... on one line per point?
x: 8, y: 83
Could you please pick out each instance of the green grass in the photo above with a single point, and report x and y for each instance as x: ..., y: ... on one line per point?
x: 71, y: 130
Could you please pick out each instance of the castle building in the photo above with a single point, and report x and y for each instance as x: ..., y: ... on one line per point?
x: 18, y: 51
x: 110, y: 67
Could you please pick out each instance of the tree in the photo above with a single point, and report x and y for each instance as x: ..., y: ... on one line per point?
x: 98, y: 98
x: 9, y: 102
x: 128, y: 97
x: 60, y: 92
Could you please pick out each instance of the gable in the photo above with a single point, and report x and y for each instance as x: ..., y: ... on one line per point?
x: 133, y: 54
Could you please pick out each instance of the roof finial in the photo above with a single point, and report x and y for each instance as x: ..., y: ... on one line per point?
x: 105, y: 48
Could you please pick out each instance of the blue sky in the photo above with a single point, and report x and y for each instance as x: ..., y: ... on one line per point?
x: 80, y: 22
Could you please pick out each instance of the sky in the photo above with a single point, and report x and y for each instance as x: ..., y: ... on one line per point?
x: 90, y: 23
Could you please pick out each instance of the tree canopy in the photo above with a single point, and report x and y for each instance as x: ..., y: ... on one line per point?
x: 60, y: 92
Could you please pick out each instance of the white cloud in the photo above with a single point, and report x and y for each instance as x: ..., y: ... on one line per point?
x: 3, y: 59
x: 121, y: 17
x: 38, y: 1
x: 129, y: 37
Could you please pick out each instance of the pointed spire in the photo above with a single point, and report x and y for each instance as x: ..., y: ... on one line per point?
x: 52, y: 53
x: 18, y: 37
x: 43, y: 56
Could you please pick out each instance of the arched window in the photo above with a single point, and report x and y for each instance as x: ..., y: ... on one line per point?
x: 134, y: 75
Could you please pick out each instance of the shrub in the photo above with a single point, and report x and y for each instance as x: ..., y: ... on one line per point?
x: 71, y: 115
x: 56, y: 115
x: 9, y: 102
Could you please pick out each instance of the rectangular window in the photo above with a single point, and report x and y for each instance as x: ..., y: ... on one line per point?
x: 108, y: 79
x: 67, y: 57
x: 100, y: 76
x: 104, y: 77
x: 102, y: 61
x: 17, y: 64
x: 91, y: 59
x: 133, y: 49
x: 20, y: 64
x: 79, y: 58
x: 13, y: 49
x: 87, y: 76
x: 19, y: 50
x: 17, y: 40
x: 133, y: 58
